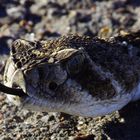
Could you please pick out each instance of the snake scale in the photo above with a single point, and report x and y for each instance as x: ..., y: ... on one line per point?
x: 78, y: 75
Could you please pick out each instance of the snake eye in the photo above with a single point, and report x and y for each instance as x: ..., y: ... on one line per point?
x: 74, y: 65
x: 52, y: 86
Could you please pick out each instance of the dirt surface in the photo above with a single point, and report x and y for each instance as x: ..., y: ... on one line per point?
x: 43, y: 19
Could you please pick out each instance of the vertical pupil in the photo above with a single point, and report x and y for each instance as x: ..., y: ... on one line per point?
x: 52, y: 86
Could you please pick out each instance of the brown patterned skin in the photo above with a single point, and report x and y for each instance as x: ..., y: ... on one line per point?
x: 94, y: 64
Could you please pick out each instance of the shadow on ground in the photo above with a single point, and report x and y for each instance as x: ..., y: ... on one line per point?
x: 129, y: 129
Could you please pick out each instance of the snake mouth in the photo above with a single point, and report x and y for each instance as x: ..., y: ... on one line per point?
x: 12, y: 91
x: 13, y: 81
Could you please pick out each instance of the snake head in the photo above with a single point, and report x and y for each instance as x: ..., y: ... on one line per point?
x: 61, y: 76
x: 45, y: 76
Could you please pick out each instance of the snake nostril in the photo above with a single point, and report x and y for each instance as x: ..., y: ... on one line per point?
x: 52, y: 86
x: 15, y: 85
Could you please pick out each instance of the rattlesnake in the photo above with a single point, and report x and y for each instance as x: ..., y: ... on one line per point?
x: 78, y: 75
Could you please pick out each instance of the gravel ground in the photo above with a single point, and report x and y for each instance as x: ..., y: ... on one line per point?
x: 45, y: 19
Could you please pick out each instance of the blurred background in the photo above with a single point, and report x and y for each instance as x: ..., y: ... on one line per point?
x: 48, y: 19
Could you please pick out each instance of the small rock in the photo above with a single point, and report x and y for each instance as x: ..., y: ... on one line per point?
x: 122, y: 120
x: 45, y: 118
x: 1, y: 117
x: 2, y: 97
x: 15, y: 12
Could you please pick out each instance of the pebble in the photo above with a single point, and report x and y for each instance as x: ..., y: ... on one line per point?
x: 47, y: 118
x: 2, y: 97
x: 39, y: 9
x: 1, y: 118
x: 15, y: 12
x: 122, y: 120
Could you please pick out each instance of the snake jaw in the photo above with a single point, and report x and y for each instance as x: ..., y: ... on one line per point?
x: 14, y: 79
x: 74, y: 74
